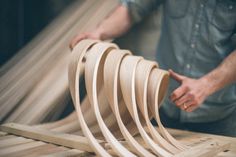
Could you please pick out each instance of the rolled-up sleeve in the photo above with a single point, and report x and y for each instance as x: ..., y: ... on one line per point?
x: 138, y: 9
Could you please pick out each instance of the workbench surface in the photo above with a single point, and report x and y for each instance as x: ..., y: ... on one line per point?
x: 12, y: 145
x: 188, y: 136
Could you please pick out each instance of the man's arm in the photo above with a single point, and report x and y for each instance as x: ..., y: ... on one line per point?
x: 113, y: 26
x: 193, y: 92
x: 223, y: 75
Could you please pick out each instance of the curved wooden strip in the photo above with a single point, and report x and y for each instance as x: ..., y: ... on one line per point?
x: 111, y: 74
x: 93, y: 79
x: 143, y: 71
x: 155, y: 99
x: 74, y: 70
x: 127, y: 82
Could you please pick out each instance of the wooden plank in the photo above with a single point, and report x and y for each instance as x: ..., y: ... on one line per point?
x: 14, y: 149
x: 67, y: 140
x: 209, y: 148
x: 71, y: 152
x: 13, y: 141
x: 40, y: 150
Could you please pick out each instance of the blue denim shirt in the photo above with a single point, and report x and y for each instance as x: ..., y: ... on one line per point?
x: 196, y: 36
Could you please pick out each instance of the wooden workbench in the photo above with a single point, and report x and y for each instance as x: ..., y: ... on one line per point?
x: 20, y: 143
x: 188, y: 136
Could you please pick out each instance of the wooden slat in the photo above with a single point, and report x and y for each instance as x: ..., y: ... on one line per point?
x: 71, y: 152
x: 13, y: 141
x: 14, y: 149
x: 40, y: 150
x: 67, y: 140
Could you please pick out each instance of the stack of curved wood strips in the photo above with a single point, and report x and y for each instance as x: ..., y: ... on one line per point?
x: 34, y: 83
x: 123, y: 93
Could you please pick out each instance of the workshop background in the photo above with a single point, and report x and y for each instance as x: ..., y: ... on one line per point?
x: 20, y: 22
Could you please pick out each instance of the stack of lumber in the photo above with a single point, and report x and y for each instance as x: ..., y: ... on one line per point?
x: 34, y: 83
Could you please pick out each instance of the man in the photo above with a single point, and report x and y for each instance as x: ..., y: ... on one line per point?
x: 198, y: 41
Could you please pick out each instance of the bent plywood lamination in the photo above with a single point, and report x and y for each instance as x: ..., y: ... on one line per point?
x: 128, y: 90
x: 123, y: 93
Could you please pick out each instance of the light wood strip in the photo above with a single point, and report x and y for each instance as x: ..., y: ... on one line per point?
x: 155, y: 100
x: 74, y: 71
x: 143, y: 72
x: 67, y: 140
x: 11, y: 150
x: 127, y: 82
x: 13, y: 141
x: 94, y: 80
x: 70, y: 153
x: 111, y: 75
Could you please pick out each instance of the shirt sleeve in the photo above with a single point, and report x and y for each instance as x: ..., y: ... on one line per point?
x: 138, y: 9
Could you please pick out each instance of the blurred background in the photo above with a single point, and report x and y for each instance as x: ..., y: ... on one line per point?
x: 21, y: 20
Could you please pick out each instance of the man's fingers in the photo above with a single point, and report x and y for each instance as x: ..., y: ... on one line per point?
x: 77, y: 39
x: 178, y: 93
x: 176, y: 76
x: 191, y: 108
x: 186, y: 105
x: 74, y: 42
x: 185, y: 98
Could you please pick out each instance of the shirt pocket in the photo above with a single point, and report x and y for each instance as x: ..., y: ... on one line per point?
x: 224, y: 15
x: 176, y: 8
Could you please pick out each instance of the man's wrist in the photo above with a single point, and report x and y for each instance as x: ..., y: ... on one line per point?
x: 213, y: 82
x: 208, y: 84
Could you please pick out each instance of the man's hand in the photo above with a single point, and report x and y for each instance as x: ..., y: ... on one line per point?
x: 116, y: 24
x: 87, y: 35
x: 191, y: 93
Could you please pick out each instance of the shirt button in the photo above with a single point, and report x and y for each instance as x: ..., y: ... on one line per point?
x: 202, y: 5
x: 231, y: 7
x: 188, y: 66
x: 193, y: 46
x: 197, y: 26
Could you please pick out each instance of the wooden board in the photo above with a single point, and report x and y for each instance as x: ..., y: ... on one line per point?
x: 67, y: 140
